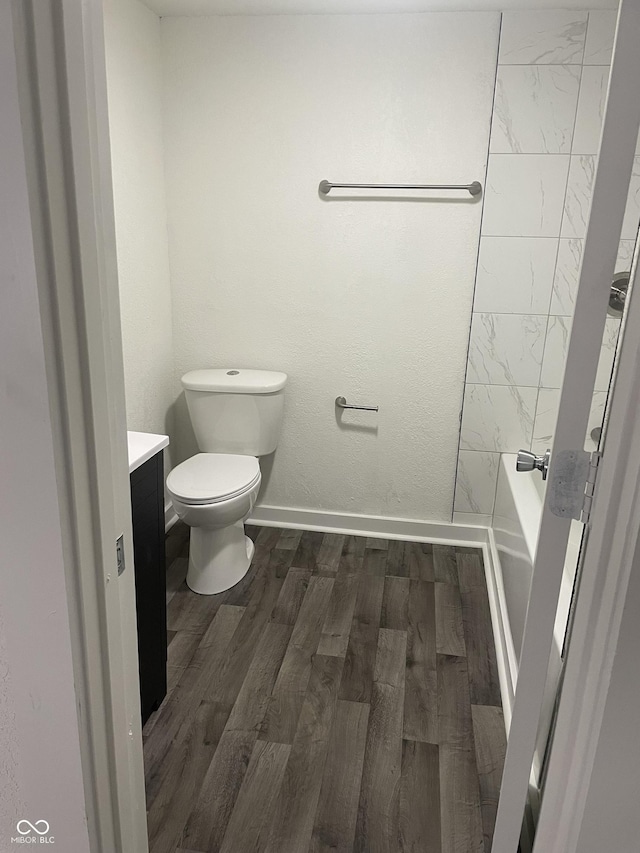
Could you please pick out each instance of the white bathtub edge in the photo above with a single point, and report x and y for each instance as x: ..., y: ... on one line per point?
x: 505, y: 652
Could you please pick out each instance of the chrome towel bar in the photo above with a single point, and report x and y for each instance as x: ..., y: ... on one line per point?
x: 474, y: 188
x: 341, y: 403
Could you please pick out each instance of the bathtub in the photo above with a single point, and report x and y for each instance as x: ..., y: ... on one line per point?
x: 515, y: 526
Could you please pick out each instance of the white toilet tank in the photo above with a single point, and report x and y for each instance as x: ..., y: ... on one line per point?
x: 235, y: 411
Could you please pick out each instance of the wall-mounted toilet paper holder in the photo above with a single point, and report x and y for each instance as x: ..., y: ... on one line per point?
x: 341, y: 403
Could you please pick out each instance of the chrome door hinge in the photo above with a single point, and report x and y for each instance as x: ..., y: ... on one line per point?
x: 590, y: 486
x: 573, y: 483
x: 120, y: 554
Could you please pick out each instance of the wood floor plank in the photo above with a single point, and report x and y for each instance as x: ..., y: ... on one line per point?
x: 253, y: 811
x: 187, y: 611
x: 174, y: 674
x: 280, y: 561
x: 491, y: 745
x: 444, y: 563
x: 337, y: 624
x: 297, y: 801
x: 470, y: 570
x: 211, y: 809
x: 184, y: 767
x: 374, y: 543
x: 289, y: 539
x: 421, y: 630
x: 377, y: 827
x: 390, y: 657
x: 478, y: 631
x: 250, y: 706
x: 330, y: 551
x: 420, y: 703
x: 455, y: 727
x: 395, y: 603
x: 461, y: 820
x: 285, y: 704
x: 335, y: 821
x: 241, y: 649
x: 268, y: 537
x: 291, y: 596
x: 421, y: 561
x: 449, y: 624
x: 375, y: 561
x: 359, y: 663
x: 182, y: 648
x: 363, y: 640
x: 306, y: 557
x: 179, y: 655
x: 420, y: 798
x: 190, y: 691
x: 398, y: 558
x: 313, y: 612
x: 352, y: 555
x: 369, y: 600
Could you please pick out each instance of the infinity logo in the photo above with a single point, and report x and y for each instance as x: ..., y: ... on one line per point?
x: 30, y: 827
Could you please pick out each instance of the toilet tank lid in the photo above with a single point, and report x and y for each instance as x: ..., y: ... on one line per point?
x: 233, y: 380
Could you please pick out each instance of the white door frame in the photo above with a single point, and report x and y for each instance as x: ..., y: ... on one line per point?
x: 66, y: 130
x: 59, y: 47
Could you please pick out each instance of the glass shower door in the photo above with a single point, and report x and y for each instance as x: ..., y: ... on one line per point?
x: 572, y: 469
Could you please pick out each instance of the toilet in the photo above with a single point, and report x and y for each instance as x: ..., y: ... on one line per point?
x: 236, y: 417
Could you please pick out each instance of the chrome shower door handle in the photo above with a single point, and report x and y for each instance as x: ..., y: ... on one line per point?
x: 527, y: 461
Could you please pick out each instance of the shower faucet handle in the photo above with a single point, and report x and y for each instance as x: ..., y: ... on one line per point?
x: 527, y: 461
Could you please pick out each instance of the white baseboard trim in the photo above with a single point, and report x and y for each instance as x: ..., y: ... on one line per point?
x: 170, y: 516
x: 380, y: 527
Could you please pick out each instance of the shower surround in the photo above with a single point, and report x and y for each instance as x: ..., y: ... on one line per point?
x: 553, y: 68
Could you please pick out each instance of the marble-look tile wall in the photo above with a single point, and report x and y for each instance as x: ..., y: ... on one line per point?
x: 552, y: 75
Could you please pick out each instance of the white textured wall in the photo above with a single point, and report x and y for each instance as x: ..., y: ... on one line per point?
x: 366, y: 298
x: 134, y: 76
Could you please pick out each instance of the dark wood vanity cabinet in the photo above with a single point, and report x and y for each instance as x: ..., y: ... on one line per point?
x: 147, y: 506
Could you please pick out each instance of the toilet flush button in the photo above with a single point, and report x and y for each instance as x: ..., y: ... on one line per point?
x: 232, y: 372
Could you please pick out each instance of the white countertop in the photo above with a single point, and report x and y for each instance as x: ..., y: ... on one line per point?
x: 142, y: 446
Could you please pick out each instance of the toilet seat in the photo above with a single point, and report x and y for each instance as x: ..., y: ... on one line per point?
x: 209, y: 478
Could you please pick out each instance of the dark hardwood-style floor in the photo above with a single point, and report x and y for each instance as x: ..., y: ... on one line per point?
x: 343, y: 697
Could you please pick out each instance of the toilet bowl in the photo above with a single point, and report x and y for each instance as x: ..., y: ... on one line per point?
x: 213, y: 493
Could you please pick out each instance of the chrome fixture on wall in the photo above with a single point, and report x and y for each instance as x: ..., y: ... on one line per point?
x: 474, y: 188
x: 618, y: 294
x: 341, y: 403
x: 528, y: 461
